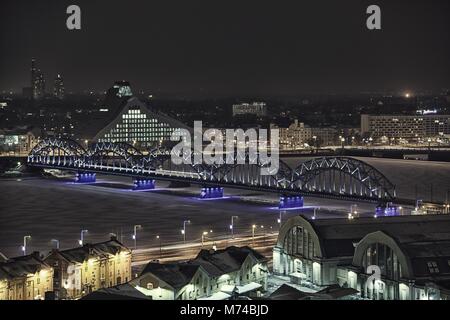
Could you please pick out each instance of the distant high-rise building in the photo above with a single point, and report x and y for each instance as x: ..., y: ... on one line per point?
x: 257, y: 108
x: 408, y: 127
x: 33, y: 71
x: 37, y: 81
x: 58, y: 89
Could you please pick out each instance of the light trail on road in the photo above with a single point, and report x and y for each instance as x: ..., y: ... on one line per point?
x: 185, y: 251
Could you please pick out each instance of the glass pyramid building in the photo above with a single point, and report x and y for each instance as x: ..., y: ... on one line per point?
x: 137, y: 125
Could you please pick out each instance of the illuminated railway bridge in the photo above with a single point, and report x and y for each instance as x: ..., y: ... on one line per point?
x: 335, y: 177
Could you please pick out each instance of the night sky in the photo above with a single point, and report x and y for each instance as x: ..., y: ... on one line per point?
x: 228, y: 47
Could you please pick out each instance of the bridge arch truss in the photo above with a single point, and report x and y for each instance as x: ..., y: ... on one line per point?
x: 344, y: 177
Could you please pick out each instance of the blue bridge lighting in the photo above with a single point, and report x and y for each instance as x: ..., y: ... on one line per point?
x: 290, y: 202
x: 388, y: 210
x: 144, y: 184
x: 211, y: 193
x: 85, y: 177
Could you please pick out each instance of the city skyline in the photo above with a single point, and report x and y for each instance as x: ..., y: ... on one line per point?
x: 236, y: 151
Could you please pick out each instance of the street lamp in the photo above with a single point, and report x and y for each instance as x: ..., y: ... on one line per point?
x: 135, y: 234
x: 204, y: 234
x: 80, y: 242
x: 57, y: 243
x: 264, y: 235
x: 279, y: 220
x: 160, y: 247
x: 183, y: 231
x: 232, y: 226
x: 253, y: 234
x: 315, y: 143
x: 24, y: 247
x: 314, y: 214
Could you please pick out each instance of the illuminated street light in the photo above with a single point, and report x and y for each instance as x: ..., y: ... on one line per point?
x: 279, y: 220
x: 253, y: 234
x: 24, y: 247
x: 183, y: 231
x: 80, y: 242
x: 353, y: 210
x: 232, y: 226
x: 204, y: 234
x: 57, y: 243
x: 160, y: 247
x: 137, y: 226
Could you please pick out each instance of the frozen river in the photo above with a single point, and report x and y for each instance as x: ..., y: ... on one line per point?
x: 52, y: 209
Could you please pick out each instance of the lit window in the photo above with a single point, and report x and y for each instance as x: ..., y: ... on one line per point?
x: 433, y: 267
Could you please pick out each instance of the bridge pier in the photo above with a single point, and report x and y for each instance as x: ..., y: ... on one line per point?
x: 144, y: 184
x: 211, y: 193
x: 85, y: 177
x: 290, y: 201
x: 386, y: 209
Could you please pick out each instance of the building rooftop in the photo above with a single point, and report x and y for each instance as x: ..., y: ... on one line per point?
x: 177, y: 275
x: 338, y: 236
x: 287, y: 292
x: 215, y: 263
x: 120, y: 292
x: 101, y: 249
x: 220, y: 262
x: 22, y: 266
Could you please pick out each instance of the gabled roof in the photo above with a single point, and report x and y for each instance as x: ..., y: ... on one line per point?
x: 22, y: 266
x: 215, y: 263
x: 101, y: 249
x: 120, y: 292
x: 287, y: 292
x: 177, y: 275
x: 220, y: 262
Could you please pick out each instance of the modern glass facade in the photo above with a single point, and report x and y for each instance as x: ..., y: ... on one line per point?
x: 139, y: 126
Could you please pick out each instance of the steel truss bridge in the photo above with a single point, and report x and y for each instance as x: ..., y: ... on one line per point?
x: 331, y: 177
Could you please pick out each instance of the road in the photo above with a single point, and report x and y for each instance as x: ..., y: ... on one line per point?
x: 263, y: 243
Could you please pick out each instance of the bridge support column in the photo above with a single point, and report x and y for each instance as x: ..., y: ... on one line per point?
x: 290, y: 201
x: 85, y: 177
x: 211, y: 193
x: 144, y: 184
x: 386, y: 209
